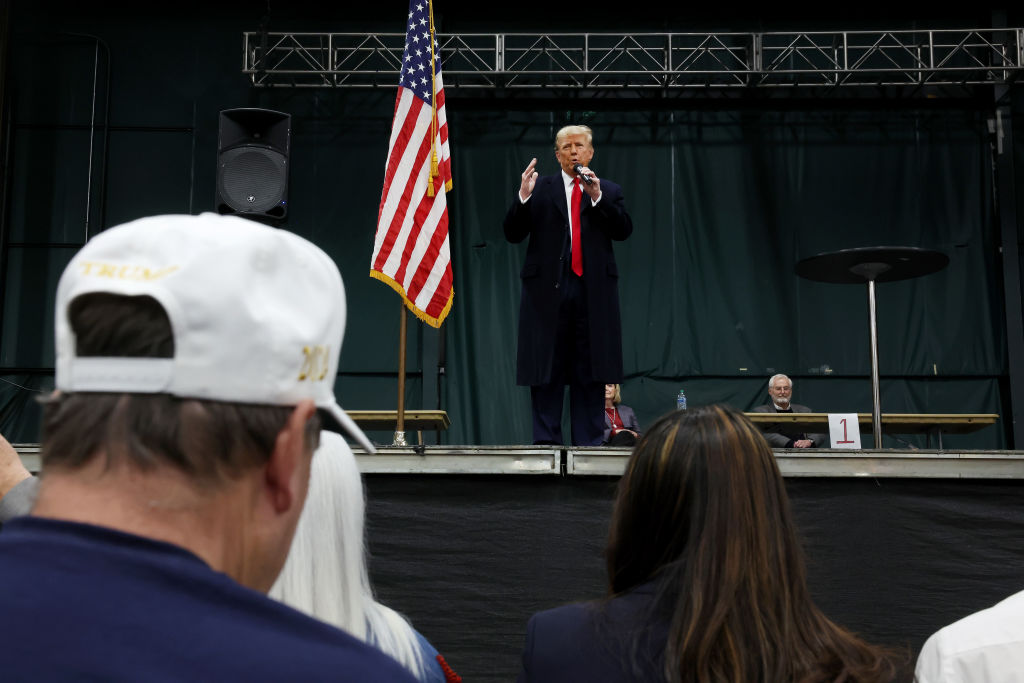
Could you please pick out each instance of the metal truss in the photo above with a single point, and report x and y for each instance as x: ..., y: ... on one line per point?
x: 631, y: 61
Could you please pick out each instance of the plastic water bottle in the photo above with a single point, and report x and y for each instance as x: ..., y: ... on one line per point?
x: 681, y: 401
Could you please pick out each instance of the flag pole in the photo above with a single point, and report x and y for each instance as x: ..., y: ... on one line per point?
x: 411, y: 252
x: 400, y: 424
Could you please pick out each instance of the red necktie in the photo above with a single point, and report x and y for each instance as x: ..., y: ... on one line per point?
x: 574, y: 221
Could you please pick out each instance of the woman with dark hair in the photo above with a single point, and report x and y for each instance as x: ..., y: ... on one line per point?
x: 707, y: 579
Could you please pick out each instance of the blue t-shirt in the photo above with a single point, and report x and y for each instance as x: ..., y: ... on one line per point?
x: 86, y: 602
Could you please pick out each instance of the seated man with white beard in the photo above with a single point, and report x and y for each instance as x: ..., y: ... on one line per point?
x: 780, y: 389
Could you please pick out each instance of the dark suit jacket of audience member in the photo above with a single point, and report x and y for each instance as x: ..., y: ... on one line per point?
x: 628, y: 418
x: 545, y: 219
x: 592, y: 641
x: 778, y: 439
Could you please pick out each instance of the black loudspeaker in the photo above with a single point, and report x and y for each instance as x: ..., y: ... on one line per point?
x: 252, y: 164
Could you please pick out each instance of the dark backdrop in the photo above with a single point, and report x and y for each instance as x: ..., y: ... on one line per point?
x: 468, y: 559
x: 725, y: 199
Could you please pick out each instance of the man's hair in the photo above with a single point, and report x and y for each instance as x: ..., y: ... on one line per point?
x: 702, y: 512
x: 771, y: 381
x: 574, y: 130
x: 211, y: 441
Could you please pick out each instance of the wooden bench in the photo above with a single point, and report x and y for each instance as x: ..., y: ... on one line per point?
x: 379, y: 420
x: 892, y: 423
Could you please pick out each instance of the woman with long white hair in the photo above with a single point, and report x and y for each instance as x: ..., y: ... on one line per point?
x: 325, y: 575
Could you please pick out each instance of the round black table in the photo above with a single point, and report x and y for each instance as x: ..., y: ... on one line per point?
x: 871, y: 265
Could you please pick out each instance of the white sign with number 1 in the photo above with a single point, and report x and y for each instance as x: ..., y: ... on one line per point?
x: 844, y: 430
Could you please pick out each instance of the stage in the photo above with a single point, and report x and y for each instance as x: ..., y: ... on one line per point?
x: 610, y: 462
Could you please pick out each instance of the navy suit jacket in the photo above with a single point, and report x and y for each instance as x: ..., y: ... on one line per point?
x: 592, y: 642
x: 544, y: 218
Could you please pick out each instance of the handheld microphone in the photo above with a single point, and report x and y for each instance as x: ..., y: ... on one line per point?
x: 579, y: 171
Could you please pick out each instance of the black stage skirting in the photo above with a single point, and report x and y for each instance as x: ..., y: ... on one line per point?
x: 469, y: 558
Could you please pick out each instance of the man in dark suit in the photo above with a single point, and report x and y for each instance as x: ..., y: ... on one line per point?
x: 780, y: 389
x: 569, y: 328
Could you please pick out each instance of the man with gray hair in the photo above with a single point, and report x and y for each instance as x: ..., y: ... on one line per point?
x: 195, y: 360
x: 780, y: 390
x: 569, y: 327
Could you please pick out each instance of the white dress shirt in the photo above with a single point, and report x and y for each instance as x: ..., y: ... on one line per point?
x: 985, y: 646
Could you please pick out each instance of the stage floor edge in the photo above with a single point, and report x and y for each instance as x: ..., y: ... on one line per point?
x: 611, y: 462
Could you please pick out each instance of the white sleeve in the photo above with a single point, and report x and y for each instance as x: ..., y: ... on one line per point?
x: 933, y: 666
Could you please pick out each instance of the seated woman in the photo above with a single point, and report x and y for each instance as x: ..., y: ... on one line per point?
x: 325, y: 575
x: 706, y: 575
x: 620, y: 425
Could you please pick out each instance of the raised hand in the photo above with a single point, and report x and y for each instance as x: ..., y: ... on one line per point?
x: 529, y: 180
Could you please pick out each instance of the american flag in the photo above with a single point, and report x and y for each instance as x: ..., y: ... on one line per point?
x: 411, y: 251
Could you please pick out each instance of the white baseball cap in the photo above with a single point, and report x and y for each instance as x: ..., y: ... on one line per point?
x: 258, y: 313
